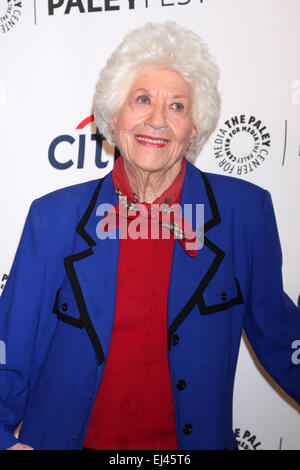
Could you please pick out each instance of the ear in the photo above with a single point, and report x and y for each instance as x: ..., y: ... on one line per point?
x: 193, y: 136
x: 112, y: 125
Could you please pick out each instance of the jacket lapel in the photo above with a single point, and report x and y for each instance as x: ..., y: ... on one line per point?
x: 190, y: 276
x: 93, y: 272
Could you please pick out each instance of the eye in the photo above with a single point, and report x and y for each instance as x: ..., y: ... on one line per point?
x: 143, y: 99
x: 177, y: 106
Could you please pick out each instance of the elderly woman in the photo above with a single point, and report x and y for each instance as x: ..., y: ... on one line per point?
x: 117, y: 339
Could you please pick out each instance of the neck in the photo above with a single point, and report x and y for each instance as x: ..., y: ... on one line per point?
x: 149, y: 185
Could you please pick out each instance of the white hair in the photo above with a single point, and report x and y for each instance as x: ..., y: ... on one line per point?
x: 175, y: 48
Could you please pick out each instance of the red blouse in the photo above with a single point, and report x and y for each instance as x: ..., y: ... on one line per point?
x: 134, y: 404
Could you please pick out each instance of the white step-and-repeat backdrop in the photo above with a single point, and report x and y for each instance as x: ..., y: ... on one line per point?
x: 51, y: 52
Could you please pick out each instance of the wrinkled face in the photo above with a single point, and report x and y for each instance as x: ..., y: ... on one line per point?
x: 154, y: 127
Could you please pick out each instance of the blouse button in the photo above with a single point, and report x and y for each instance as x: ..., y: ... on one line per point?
x: 224, y: 296
x: 64, y: 307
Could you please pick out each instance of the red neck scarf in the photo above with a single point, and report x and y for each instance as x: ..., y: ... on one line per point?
x: 164, y: 212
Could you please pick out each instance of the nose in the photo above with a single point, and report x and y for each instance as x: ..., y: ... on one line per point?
x: 157, y: 118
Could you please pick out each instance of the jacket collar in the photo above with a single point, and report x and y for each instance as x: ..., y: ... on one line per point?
x: 196, y: 190
x: 189, y: 278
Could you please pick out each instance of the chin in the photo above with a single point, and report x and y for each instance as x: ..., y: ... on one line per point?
x: 155, y: 163
x: 147, y: 163
x: 153, y: 166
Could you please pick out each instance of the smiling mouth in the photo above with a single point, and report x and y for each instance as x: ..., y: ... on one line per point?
x: 146, y: 140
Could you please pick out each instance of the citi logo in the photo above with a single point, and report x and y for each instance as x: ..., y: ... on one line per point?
x: 67, y: 150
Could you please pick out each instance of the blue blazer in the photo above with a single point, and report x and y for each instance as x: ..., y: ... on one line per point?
x: 57, y: 313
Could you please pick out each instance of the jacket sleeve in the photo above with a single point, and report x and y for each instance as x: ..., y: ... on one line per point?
x: 272, y: 323
x: 20, y: 305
